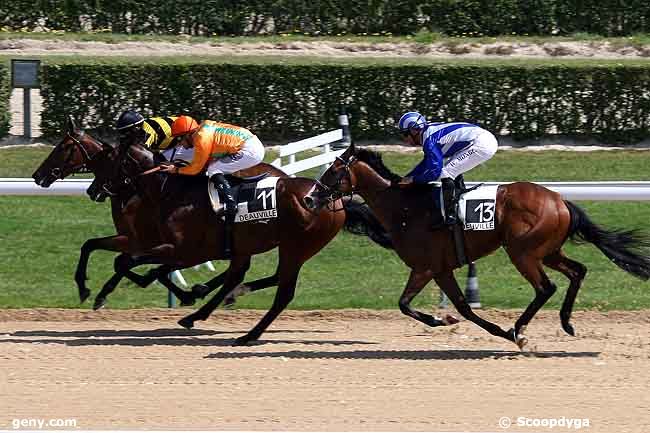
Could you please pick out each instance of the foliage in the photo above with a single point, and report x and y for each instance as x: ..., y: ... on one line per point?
x: 228, y: 17
x: 606, y: 101
x: 5, y: 92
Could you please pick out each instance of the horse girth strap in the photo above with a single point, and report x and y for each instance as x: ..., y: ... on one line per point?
x: 459, y: 241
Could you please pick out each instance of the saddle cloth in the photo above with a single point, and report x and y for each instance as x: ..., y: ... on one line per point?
x: 476, y: 208
x: 255, y: 200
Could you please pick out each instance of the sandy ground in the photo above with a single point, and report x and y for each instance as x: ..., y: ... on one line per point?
x: 603, y: 50
x: 347, y: 370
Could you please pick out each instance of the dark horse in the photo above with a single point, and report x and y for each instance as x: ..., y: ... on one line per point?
x: 532, y: 224
x: 182, y: 230
x: 79, y: 152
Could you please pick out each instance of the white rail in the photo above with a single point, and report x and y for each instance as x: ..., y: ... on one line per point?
x: 327, y: 157
x: 616, y: 190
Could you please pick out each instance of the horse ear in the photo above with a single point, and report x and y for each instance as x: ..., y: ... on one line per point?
x: 351, y: 150
x: 71, y: 125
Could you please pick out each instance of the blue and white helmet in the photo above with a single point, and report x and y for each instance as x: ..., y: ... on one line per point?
x: 411, y: 120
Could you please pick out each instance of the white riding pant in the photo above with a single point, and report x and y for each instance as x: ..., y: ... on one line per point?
x: 482, y: 148
x: 251, y: 153
x: 178, y: 153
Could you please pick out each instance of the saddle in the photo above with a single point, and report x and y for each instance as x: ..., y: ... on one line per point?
x: 255, y: 197
x: 236, y: 180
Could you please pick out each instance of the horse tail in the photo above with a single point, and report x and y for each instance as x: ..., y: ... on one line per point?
x: 628, y: 249
x: 360, y: 220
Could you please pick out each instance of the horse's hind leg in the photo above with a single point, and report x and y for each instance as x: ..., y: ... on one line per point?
x: 186, y: 298
x: 531, y: 269
x: 575, y: 272
x: 251, y: 286
x: 203, y: 290
x: 234, y: 276
x: 448, y: 284
x: 415, y: 284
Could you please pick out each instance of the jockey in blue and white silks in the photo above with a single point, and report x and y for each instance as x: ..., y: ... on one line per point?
x: 450, y: 149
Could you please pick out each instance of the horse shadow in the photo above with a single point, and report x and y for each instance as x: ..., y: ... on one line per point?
x: 158, y: 337
x: 408, y: 355
x: 146, y: 333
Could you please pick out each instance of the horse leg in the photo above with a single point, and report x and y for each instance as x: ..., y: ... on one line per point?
x: 286, y: 289
x: 121, y: 262
x: 234, y: 276
x: 531, y: 269
x: 251, y: 286
x: 448, y: 284
x: 575, y: 272
x: 117, y: 243
x: 415, y: 284
x: 186, y: 298
x: 149, y: 277
x: 202, y: 290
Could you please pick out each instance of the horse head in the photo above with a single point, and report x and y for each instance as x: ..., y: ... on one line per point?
x: 338, y: 180
x: 121, y: 175
x: 77, y: 152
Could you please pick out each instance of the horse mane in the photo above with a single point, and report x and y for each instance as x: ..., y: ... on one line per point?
x: 374, y: 160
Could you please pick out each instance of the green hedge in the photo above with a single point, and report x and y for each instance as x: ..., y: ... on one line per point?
x: 5, y: 94
x: 228, y: 17
x: 287, y: 101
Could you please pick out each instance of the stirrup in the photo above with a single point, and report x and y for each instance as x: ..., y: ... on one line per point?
x: 451, y: 220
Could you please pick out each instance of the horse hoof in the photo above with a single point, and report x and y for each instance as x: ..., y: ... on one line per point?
x: 99, y: 303
x: 188, y: 302
x: 568, y: 328
x: 241, y: 341
x: 200, y: 290
x: 238, y: 291
x: 522, y: 341
x: 83, y: 295
x: 450, y: 320
x: 520, y: 338
x: 186, y: 323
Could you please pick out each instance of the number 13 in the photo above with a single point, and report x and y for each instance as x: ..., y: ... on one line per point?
x: 486, y: 211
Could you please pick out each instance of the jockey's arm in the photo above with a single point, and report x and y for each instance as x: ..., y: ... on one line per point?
x: 202, y: 150
x: 430, y: 167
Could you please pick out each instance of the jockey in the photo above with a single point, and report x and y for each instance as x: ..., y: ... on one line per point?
x: 450, y: 149
x: 154, y: 133
x: 221, y: 149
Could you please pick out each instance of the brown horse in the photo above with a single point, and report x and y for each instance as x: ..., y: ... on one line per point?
x: 80, y: 152
x: 532, y: 224
x: 192, y: 233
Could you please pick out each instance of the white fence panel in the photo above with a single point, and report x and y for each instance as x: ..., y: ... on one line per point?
x: 323, y: 140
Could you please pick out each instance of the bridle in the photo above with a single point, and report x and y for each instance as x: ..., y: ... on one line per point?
x: 123, y: 177
x: 333, y: 193
x: 87, y: 158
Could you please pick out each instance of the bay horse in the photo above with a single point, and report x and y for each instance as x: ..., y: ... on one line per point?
x: 192, y: 233
x: 78, y: 152
x: 182, y: 230
x: 532, y: 224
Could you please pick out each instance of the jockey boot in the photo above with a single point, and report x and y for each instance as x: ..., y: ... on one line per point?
x: 460, y: 184
x: 449, y: 201
x: 225, y: 193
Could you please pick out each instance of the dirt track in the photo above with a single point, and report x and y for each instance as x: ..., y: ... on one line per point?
x: 346, y: 370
